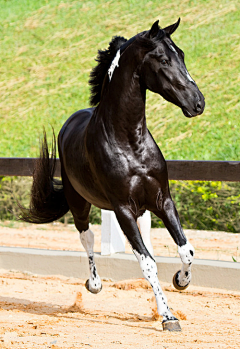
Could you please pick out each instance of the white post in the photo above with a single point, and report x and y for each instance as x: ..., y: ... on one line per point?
x: 144, y: 225
x: 113, y: 239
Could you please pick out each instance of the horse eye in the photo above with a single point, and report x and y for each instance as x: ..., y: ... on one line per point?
x: 164, y: 62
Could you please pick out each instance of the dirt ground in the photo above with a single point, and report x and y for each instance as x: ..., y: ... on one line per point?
x: 58, y: 312
x: 56, y: 236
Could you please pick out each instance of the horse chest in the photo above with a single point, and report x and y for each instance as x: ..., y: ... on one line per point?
x: 121, y: 164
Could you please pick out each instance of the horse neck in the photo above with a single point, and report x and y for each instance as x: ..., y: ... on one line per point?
x: 122, y: 109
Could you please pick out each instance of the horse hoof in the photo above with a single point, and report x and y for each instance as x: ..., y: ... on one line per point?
x: 95, y: 291
x: 171, y: 325
x: 175, y: 283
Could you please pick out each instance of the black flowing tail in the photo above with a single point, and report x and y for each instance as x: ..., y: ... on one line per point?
x: 48, y: 202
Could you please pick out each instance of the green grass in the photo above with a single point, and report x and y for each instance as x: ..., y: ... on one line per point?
x: 47, y: 49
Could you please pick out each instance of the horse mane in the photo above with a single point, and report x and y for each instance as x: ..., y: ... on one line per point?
x: 104, y: 59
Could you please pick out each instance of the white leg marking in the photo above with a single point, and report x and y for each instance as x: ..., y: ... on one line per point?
x: 186, y: 253
x: 144, y: 225
x: 149, y: 269
x: 87, y: 240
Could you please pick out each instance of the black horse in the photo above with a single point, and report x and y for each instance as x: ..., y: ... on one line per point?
x: 110, y: 159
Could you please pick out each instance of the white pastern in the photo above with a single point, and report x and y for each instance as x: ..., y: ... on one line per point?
x: 186, y: 253
x: 149, y: 269
x: 95, y: 283
x: 87, y: 240
x: 114, y: 64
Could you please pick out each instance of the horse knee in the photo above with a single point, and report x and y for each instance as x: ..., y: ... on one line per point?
x: 182, y: 278
x: 186, y: 253
x: 148, y: 266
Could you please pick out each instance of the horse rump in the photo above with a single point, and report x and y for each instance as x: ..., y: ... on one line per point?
x: 48, y: 202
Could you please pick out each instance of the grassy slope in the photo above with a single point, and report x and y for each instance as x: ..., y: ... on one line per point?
x: 47, y: 49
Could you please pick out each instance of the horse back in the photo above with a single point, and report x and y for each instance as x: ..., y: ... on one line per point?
x: 75, y: 125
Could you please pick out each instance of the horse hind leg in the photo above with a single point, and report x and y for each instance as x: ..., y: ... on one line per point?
x: 93, y: 284
x: 80, y: 209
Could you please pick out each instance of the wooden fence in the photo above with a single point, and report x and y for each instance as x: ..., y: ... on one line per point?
x: 177, y: 169
x: 112, y: 238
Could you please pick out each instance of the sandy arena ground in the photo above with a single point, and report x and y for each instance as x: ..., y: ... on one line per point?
x: 56, y: 236
x: 58, y: 312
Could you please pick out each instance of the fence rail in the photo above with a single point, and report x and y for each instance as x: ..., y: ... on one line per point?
x: 177, y: 169
x: 112, y: 238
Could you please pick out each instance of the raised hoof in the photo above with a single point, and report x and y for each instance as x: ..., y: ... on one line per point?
x: 92, y: 290
x: 175, y: 284
x: 171, y: 325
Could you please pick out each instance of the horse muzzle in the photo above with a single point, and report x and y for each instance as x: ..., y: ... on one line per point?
x: 198, y: 108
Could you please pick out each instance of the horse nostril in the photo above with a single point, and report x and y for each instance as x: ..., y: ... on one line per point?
x: 199, y: 106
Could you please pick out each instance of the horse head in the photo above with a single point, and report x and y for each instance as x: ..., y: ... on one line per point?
x: 163, y: 71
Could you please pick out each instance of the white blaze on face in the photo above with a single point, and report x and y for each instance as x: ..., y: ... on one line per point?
x: 189, y: 77
x: 173, y: 49
x: 187, y: 73
x: 115, y: 64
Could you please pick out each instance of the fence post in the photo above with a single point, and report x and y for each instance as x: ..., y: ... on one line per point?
x: 113, y: 239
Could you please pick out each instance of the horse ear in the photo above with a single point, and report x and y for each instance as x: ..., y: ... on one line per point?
x: 171, y: 28
x: 154, y: 30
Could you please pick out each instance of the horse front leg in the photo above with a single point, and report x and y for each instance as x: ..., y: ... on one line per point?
x: 169, y: 215
x: 148, y: 265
